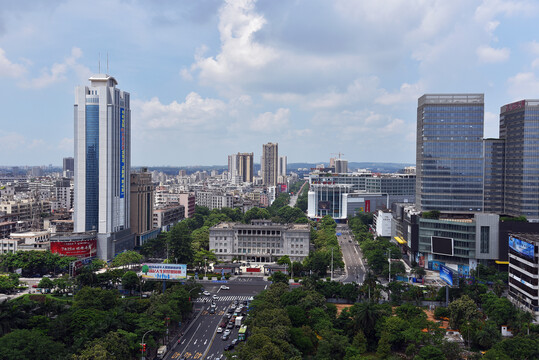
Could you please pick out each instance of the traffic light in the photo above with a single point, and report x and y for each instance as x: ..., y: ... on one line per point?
x: 143, y: 348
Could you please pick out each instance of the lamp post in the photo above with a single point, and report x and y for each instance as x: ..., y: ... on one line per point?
x: 190, y: 292
x: 142, y: 344
x: 205, y: 268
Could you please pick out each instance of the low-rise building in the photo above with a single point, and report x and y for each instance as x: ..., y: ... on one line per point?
x: 166, y: 218
x: 260, y: 241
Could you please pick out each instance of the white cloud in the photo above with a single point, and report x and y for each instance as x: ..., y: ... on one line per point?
x: 487, y: 54
x: 269, y: 122
x: 240, y: 52
x: 66, y: 144
x: 13, y: 141
x: 58, y: 72
x: 491, y: 8
x: 194, y: 114
x: 523, y: 85
x: 406, y: 94
x: 9, y: 69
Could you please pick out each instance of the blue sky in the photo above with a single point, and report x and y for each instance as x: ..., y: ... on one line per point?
x: 210, y: 78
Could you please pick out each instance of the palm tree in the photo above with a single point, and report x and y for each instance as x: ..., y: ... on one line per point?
x: 365, y: 316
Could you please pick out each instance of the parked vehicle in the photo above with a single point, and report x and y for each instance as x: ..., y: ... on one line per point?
x: 161, y: 352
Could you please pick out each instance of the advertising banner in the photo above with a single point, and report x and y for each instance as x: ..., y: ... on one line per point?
x: 122, y: 153
x: 521, y: 247
x: 164, y: 271
x: 78, y: 248
x: 367, y: 206
x: 446, y: 274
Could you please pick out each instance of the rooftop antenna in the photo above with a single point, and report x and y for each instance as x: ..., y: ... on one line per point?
x: 99, y: 64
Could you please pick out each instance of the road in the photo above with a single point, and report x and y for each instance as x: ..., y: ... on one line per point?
x: 201, y: 341
x: 355, y: 269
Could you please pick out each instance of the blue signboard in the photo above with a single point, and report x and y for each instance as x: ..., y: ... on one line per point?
x: 521, y: 247
x: 122, y: 153
x: 446, y: 274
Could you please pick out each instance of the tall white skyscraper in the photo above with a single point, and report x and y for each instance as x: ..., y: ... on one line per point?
x: 102, y: 163
x: 282, y: 165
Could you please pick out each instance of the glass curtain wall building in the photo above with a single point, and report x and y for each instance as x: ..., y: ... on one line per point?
x: 519, y: 127
x: 449, y: 155
x: 102, y: 161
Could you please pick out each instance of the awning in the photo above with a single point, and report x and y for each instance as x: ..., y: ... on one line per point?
x: 400, y: 240
x: 499, y: 262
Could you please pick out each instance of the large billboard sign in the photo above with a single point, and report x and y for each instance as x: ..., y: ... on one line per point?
x: 446, y: 274
x: 521, y: 247
x: 122, y: 153
x: 442, y: 245
x: 164, y: 271
x: 77, y: 248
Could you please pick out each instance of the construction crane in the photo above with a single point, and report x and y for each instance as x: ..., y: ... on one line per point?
x: 339, y: 153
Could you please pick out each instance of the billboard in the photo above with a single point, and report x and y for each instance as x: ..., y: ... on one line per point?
x: 522, y: 247
x: 164, y: 271
x: 441, y: 245
x: 446, y: 274
x: 76, y: 248
x: 122, y: 153
x: 367, y: 206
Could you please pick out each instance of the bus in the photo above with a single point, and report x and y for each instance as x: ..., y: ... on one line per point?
x: 242, y: 333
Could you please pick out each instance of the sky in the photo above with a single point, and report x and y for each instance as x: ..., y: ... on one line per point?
x: 209, y: 78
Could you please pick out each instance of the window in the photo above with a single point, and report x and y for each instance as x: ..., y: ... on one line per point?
x: 485, y: 240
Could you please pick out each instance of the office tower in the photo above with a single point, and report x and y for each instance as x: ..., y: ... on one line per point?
x: 240, y: 167
x: 102, y: 163
x: 494, y: 152
x: 449, y: 155
x: 341, y: 166
x: 518, y: 127
x: 141, y: 205
x: 282, y: 165
x: 270, y: 157
x: 69, y: 167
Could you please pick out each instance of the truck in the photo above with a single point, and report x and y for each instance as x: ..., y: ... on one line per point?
x: 161, y: 351
x: 238, y: 321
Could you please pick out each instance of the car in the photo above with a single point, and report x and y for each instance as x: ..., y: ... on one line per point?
x: 227, y: 332
x: 219, y: 329
x: 212, y: 310
x: 215, y: 297
x: 230, y: 325
x: 236, y: 302
x: 206, y: 293
x: 251, y: 298
x: 225, y: 336
x: 244, y: 302
x: 224, y: 287
x: 233, y: 306
x: 34, y: 286
x: 228, y: 316
x: 223, y: 324
x: 229, y: 347
x: 234, y: 341
x: 230, y: 310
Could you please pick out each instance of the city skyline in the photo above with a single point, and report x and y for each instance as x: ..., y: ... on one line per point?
x: 234, y: 75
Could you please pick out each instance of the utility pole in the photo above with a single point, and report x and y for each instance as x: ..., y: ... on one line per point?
x: 389, y: 259
x: 331, y: 264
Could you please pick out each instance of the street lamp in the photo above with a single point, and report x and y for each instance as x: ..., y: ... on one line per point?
x: 190, y: 292
x: 143, y: 345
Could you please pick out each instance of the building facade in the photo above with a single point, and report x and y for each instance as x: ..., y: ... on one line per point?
x: 102, y: 163
x: 240, y: 168
x: 518, y: 127
x: 166, y: 218
x: 269, y: 164
x: 260, y: 241
x: 283, y: 163
x: 524, y: 271
x: 449, y: 154
x: 141, y: 213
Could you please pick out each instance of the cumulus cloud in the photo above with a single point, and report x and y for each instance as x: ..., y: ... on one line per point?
x: 240, y: 52
x: 58, y: 72
x: 195, y: 113
x: 407, y: 93
x: 8, y: 68
x: 269, y: 122
x: 13, y: 141
x: 523, y: 85
x: 487, y: 54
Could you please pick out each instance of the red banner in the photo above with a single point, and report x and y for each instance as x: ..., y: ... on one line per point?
x: 367, y: 206
x: 78, y: 248
x: 252, y: 270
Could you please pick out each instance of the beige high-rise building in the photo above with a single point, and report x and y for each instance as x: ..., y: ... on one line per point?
x: 240, y: 167
x: 142, y: 200
x: 270, y: 163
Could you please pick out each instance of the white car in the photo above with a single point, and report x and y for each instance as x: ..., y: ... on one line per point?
x: 206, y: 293
x: 224, y: 287
x: 227, y: 332
x: 219, y: 329
x: 215, y: 297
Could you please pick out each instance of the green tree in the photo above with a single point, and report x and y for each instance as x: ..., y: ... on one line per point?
x: 130, y: 281
x: 112, y: 346
x: 279, y: 276
x: 462, y: 310
x: 46, y: 283
x: 256, y: 213
x: 384, y: 349
x: 30, y: 344
x: 179, y: 239
x: 127, y: 258
x: 284, y: 260
x: 430, y: 352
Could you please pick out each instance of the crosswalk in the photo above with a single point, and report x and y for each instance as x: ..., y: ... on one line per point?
x: 229, y: 298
